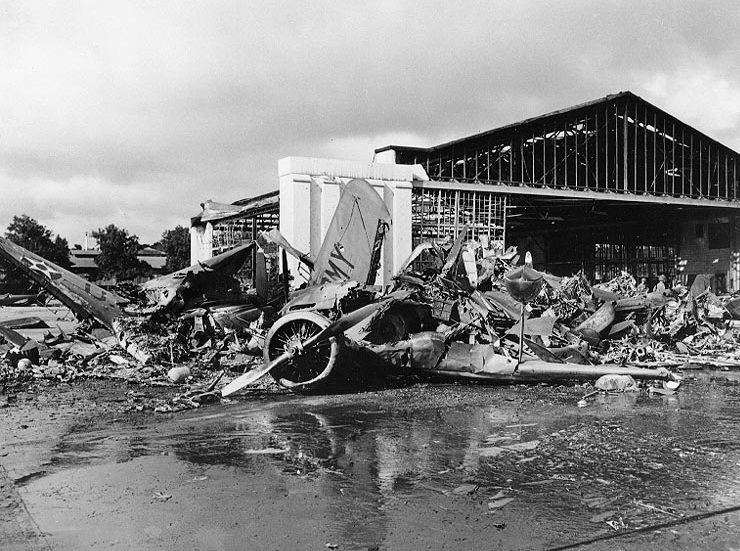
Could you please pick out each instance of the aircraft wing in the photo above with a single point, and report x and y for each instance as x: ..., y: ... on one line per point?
x: 84, y: 298
x: 165, y: 288
x: 226, y: 264
x: 349, y: 251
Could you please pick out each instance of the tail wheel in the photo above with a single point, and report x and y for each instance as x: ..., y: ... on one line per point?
x: 308, y: 367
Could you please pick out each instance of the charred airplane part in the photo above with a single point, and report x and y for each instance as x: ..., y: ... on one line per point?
x: 433, y: 321
x: 206, y: 299
x: 456, y: 309
x: 85, y: 299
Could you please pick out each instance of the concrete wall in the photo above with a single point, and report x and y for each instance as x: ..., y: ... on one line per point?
x: 309, y: 194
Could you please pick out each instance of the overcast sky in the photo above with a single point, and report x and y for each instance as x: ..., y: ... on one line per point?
x: 134, y: 112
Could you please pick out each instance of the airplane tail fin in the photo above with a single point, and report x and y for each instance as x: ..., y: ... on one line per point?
x: 351, y: 246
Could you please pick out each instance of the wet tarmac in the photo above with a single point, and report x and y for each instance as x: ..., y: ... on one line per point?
x: 424, y: 467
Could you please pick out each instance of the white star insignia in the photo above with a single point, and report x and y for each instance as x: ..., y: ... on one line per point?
x: 42, y: 268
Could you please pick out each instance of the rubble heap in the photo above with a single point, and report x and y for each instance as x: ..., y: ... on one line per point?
x: 450, y: 311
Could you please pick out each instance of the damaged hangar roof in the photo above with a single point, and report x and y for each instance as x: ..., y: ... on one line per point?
x: 620, y: 144
x: 544, y: 118
x: 213, y: 211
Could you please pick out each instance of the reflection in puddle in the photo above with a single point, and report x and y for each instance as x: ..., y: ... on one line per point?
x: 624, y: 456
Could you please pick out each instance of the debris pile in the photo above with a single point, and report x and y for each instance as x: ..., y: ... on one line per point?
x: 150, y: 355
x: 462, y: 309
x: 195, y: 318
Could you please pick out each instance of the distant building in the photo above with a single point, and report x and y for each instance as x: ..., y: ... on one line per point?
x: 83, y: 263
x: 155, y: 258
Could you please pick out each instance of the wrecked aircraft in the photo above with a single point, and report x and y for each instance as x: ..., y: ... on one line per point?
x: 457, y: 310
x: 205, y: 290
x: 9, y: 299
x: 85, y: 299
x: 437, y: 321
x: 210, y: 285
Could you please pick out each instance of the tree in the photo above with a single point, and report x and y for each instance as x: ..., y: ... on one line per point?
x: 29, y: 234
x: 176, y: 243
x: 118, y: 254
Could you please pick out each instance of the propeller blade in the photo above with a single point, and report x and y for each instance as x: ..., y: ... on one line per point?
x: 342, y: 324
x: 253, y: 374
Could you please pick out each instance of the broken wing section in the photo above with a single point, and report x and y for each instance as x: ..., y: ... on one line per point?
x: 350, y: 249
x: 193, y: 280
x: 85, y: 299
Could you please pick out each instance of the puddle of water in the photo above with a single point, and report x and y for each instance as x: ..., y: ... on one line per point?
x: 629, y: 456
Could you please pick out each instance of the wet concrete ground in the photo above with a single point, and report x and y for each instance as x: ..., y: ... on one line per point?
x: 424, y: 467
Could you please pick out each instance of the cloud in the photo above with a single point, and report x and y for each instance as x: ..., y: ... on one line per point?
x: 72, y: 207
x: 134, y: 112
x: 712, y: 108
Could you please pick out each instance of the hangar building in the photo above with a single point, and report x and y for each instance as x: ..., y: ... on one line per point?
x: 612, y: 184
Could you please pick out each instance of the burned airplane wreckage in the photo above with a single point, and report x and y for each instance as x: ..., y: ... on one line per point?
x: 447, y: 314
x: 454, y: 310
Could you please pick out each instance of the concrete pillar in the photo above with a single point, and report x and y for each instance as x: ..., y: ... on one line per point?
x: 385, y: 156
x: 316, y: 235
x: 201, y: 242
x: 295, y: 216
x: 397, y: 197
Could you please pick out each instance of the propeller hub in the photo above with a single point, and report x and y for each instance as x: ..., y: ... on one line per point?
x: 294, y: 346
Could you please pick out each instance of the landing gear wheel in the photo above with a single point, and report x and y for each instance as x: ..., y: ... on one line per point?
x: 308, y: 367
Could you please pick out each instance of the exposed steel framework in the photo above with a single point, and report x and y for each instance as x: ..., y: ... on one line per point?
x: 241, y: 221
x: 619, y: 144
x: 231, y: 233
x: 438, y: 214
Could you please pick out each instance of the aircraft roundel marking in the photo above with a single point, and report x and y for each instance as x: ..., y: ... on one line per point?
x: 42, y: 268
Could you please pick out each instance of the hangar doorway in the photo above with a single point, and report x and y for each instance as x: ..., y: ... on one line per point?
x: 598, y: 237
x: 603, y: 238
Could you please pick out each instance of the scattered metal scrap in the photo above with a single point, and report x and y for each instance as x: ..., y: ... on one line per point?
x: 458, y: 310
x: 451, y: 314
x: 139, y: 333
